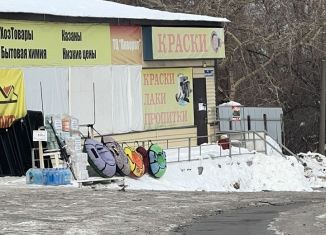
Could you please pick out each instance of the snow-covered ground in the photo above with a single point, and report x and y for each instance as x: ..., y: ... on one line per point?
x: 244, y: 173
x: 211, y: 169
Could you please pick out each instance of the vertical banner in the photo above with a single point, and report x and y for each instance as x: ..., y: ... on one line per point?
x: 12, y: 96
x: 167, y: 97
x: 126, y: 45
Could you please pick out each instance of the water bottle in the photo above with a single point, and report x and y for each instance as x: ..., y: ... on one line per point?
x: 53, y: 176
x: 58, y: 176
x: 44, y: 176
x: 66, y: 176
x: 34, y: 176
x: 38, y: 176
x: 49, y: 176
x: 29, y: 176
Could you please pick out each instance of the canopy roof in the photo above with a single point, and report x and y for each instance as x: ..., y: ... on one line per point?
x: 99, y: 11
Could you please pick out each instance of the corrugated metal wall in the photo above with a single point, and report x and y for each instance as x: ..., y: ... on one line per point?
x: 252, y: 118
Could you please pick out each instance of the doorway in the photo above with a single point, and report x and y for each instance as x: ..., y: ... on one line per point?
x: 200, y: 109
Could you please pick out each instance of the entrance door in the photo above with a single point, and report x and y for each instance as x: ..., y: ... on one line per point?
x: 200, y: 109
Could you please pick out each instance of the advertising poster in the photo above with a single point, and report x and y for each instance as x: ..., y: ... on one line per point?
x: 235, y: 113
x: 167, y: 97
x: 25, y: 43
x: 126, y: 44
x: 12, y: 96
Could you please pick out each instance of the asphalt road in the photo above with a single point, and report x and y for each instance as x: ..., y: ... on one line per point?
x: 68, y: 210
x: 244, y: 221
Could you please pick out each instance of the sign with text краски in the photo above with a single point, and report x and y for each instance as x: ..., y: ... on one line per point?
x: 24, y: 43
x: 187, y: 43
x: 167, y: 97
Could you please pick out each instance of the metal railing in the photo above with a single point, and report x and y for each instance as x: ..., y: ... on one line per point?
x: 235, y: 143
x: 239, y: 143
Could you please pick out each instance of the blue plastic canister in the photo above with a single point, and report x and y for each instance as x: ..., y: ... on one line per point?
x: 66, y: 176
x: 48, y: 176
x: 34, y: 176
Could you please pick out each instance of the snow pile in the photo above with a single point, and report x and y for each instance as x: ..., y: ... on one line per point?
x: 210, y: 168
x: 244, y: 173
x: 315, y: 170
x: 231, y: 103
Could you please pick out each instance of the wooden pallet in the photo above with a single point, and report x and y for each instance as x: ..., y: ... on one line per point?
x: 120, y: 181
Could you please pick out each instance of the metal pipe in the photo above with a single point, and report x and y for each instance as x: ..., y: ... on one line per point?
x: 41, y: 89
x: 254, y: 140
x: 321, y: 148
x: 178, y: 154
x: 265, y: 142
x: 189, y: 148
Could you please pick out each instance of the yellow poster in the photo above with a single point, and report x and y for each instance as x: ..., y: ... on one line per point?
x: 187, y: 43
x: 167, y: 97
x: 12, y: 96
x: 24, y: 43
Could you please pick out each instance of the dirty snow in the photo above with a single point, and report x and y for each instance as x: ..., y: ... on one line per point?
x: 211, y: 169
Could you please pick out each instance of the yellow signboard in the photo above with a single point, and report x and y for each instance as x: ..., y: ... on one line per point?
x: 167, y: 97
x: 12, y: 96
x: 43, y: 43
x: 187, y: 43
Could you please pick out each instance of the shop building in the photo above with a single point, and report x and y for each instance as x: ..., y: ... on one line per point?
x: 130, y: 72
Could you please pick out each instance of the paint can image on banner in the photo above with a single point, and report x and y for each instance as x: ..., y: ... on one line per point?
x: 216, y: 41
x: 184, y: 90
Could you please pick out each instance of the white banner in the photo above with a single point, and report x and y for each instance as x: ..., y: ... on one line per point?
x: 47, y: 85
x: 116, y: 98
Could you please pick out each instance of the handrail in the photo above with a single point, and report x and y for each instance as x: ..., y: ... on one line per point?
x: 188, y: 143
x: 281, y: 145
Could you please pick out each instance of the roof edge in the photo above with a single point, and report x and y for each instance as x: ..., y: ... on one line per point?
x: 116, y: 21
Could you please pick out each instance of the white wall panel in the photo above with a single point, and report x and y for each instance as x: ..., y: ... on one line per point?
x: 118, y: 97
x: 54, y: 85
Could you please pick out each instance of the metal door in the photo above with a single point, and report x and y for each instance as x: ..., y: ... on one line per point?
x: 200, y: 109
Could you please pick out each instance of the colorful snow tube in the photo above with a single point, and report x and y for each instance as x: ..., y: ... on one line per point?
x: 136, y: 163
x: 143, y: 152
x: 157, y: 161
x: 100, y: 158
x: 120, y: 157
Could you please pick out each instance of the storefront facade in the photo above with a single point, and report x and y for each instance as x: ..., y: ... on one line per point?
x: 137, y: 81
